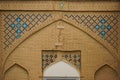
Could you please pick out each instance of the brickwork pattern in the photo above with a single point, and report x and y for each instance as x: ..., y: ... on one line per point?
x: 17, y: 24
x: 105, y: 26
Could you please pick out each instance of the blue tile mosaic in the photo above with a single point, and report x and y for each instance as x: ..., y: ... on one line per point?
x: 16, y: 24
x: 104, y: 25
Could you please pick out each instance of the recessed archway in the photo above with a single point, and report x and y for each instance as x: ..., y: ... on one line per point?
x: 16, y: 72
x: 106, y: 73
x: 61, y: 70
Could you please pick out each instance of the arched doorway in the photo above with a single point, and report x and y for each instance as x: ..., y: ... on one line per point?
x: 61, y: 71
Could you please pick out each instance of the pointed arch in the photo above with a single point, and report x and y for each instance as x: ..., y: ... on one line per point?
x: 16, y: 70
x: 61, y: 69
x: 78, y: 26
x: 106, y: 72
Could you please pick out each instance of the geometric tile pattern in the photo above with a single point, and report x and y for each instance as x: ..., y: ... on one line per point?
x: 48, y: 57
x: 17, y: 24
x: 73, y: 58
x: 103, y: 25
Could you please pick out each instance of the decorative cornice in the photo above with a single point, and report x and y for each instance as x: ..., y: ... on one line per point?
x: 61, y: 5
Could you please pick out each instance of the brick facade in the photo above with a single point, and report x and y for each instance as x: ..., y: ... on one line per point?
x: 37, y: 34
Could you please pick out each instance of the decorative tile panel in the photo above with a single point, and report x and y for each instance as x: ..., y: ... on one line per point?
x: 74, y: 58
x: 104, y: 26
x: 51, y: 56
x: 48, y: 57
x: 17, y: 24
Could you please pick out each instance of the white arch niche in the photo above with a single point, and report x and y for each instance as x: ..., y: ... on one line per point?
x: 61, y: 71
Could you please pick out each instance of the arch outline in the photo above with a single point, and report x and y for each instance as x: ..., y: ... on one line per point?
x: 106, y: 65
x: 16, y: 64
